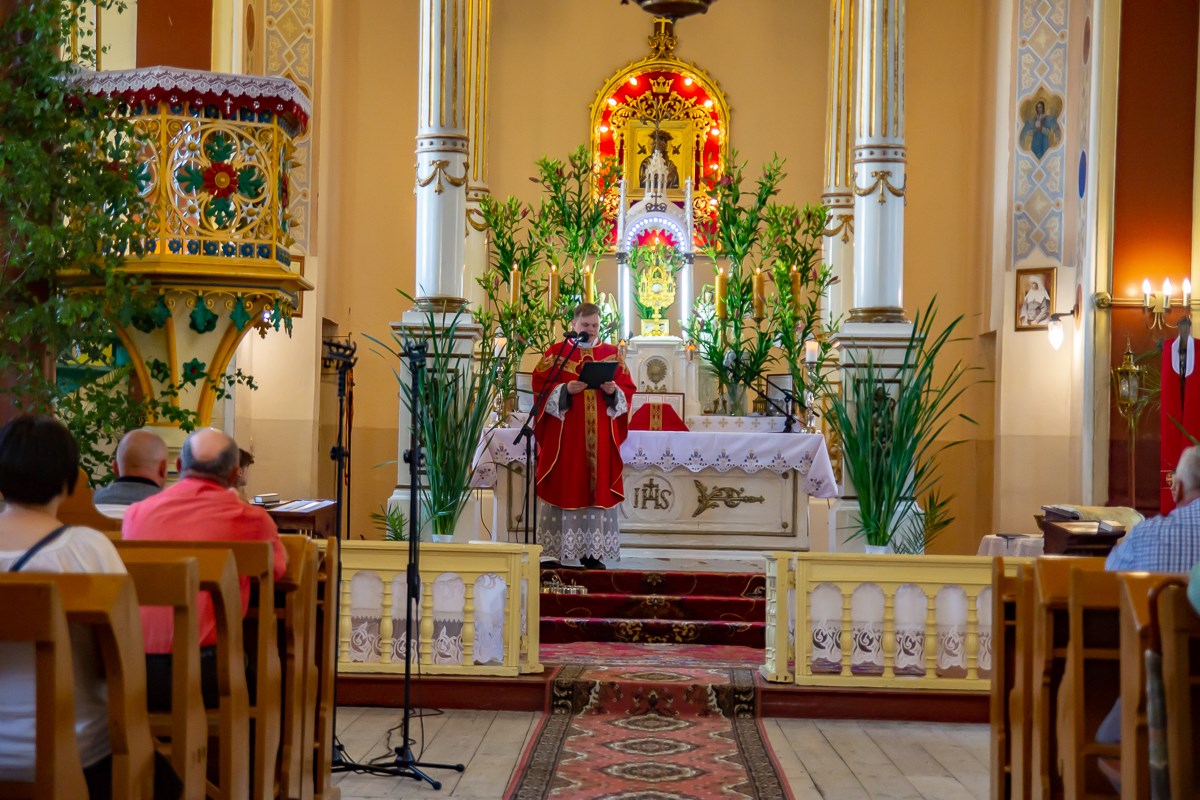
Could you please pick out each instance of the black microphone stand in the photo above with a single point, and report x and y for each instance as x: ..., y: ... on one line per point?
x: 405, y: 763
x: 788, y: 398
x: 526, y: 434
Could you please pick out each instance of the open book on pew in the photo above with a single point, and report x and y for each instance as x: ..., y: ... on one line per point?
x: 1117, y: 516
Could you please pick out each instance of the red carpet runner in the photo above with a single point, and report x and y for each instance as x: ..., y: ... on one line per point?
x: 650, y: 733
x: 705, y: 608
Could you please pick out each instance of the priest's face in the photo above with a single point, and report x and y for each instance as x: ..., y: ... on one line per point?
x: 589, y: 325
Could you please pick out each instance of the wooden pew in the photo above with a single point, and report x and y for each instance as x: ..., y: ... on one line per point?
x: 1139, y: 633
x: 79, y: 509
x: 1179, y: 625
x: 229, y: 724
x: 1092, y: 678
x: 174, y: 582
x: 255, y: 561
x: 326, y: 670
x: 108, y: 605
x: 295, y: 609
x: 1020, y: 698
x: 1004, y: 634
x: 43, y: 624
x: 1050, y: 627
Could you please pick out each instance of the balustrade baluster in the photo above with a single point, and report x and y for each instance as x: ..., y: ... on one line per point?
x: 847, y: 635
x: 971, y: 640
x: 889, y: 629
x: 426, y: 648
x: 386, y: 645
x: 468, y: 626
x: 932, y: 642
x: 345, y: 626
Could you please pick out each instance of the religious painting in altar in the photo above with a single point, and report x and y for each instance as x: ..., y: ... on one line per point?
x: 666, y: 105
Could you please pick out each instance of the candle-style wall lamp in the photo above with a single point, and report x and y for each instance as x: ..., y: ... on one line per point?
x: 1158, y: 306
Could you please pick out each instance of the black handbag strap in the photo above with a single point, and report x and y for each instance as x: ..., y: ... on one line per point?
x: 37, y: 546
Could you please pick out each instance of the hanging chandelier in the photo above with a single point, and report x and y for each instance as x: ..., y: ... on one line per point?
x: 675, y: 9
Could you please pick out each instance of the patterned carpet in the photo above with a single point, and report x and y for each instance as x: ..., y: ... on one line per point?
x: 700, y: 608
x: 629, y: 654
x: 650, y: 732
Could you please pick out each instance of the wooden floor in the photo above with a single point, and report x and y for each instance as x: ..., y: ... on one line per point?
x: 820, y: 758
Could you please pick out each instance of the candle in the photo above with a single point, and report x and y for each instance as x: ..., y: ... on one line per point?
x: 514, y: 286
x: 553, y: 287
x: 760, y: 294
x: 795, y: 290
x: 720, y: 293
x: 589, y: 285
x: 1146, y: 293
x: 812, y: 348
x: 621, y: 219
x: 1166, y: 293
x: 1187, y: 293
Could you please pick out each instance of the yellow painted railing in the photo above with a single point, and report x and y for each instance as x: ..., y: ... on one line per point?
x: 477, y: 614
x: 880, y: 621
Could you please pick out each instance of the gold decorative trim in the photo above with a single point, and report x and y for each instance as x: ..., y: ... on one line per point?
x: 442, y: 304
x: 878, y: 314
x: 730, y: 496
x: 591, y: 435
x: 845, y: 227
x: 882, y: 184
x: 441, y: 172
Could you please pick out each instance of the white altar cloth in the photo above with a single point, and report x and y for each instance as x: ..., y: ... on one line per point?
x: 695, y: 451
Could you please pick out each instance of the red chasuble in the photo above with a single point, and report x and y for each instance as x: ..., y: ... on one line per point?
x: 579, y: 457
x: 1180, y: 401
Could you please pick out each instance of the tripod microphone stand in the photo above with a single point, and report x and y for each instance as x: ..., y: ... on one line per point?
x: 526, y: 434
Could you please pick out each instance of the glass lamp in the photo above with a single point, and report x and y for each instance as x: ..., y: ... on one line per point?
x: 1127, y: 379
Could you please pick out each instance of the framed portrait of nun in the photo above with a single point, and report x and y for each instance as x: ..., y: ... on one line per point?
x: 1034, y: 298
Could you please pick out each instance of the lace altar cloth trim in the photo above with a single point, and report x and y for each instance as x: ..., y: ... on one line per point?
x: 174, y: 85
x: 695, y: 451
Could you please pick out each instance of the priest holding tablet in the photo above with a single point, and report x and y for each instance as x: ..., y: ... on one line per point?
x: 579, y: 434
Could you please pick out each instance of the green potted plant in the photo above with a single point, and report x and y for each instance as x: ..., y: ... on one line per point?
x: 890, y: 420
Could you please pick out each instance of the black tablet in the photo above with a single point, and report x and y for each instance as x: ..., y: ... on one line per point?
x: 595, y: 373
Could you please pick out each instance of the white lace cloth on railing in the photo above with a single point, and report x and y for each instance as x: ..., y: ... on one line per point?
x: 192, y: 80
x: 693, y: 451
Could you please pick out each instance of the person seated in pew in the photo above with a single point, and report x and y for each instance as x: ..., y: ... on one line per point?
x: 199, y: 508
x: 141, y: 467
x: 1171, y: 542
x: 39, y: 464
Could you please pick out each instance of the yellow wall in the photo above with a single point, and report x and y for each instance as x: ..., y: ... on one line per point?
x: 548, y: 60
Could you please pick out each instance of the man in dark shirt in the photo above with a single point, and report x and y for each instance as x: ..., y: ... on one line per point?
x: 141, y: 467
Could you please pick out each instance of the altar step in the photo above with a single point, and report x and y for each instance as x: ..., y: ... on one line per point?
x: 706, y: 608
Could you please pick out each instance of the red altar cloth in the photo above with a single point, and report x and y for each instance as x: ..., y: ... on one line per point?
x: 579, y: 460
x: 656, y: 417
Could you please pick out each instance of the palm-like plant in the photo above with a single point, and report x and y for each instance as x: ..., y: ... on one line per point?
x: 890, y: 421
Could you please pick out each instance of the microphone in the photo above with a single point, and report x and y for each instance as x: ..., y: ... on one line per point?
x: 582, y: 337
x: 570, y: 335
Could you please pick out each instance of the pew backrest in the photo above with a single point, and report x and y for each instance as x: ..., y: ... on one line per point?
x: 42, y: 623
x: 1179, y: 625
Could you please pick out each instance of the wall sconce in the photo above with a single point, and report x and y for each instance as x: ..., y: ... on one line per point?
x: 1054, y: 328
x: 1159, y: 304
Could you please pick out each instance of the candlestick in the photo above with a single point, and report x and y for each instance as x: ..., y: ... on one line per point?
x: 795, y: 290
x: 514, y: 286
x: 553, y: 287
x: 621, y: 219
x: 760, y: 294
x: 720, y: 293
x: 589, y: 285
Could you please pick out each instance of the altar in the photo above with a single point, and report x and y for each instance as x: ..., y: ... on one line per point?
x: 711, y: 489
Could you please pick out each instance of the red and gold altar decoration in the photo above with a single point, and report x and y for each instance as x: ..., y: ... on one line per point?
x: 662, y: 103
x: 214, y: 171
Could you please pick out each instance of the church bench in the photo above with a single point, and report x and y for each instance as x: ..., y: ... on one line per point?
x: 1179, y: 626
x: 108, y: 605
x: 1139, y: 633
x: 174, y: 581
x: 325, y: 672
x: 1050, y: 626
x: 295, y: 610
x: 229, y: 724
x: 1091, y: 680
x: 42, y: 623
x: 1020, y: 696
x: 79, y: 509
x: 1004, y: 635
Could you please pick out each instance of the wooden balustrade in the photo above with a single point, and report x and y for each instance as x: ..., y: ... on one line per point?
x: 920, y: 622
x: 372, y: 641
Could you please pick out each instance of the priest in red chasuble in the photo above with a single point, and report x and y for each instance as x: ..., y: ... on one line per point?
x: 579, y: 434
x: 1179, y: 400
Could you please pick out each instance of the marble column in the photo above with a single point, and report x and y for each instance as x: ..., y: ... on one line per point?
x: 478, y: 38
x: 839, y: 168
x: 879, y: 163
x: 442, y: 168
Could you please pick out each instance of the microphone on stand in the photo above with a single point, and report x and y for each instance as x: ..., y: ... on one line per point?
x: 579, y: 337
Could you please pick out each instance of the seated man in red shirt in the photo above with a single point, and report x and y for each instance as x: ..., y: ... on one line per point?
x: 199, y: 508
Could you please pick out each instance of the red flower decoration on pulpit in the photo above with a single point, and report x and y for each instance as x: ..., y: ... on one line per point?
x: 220, y: 180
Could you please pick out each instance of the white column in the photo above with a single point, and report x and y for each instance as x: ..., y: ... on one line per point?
x: 879, y: 163
x: 838, y: 249
x: 441, y: 179
x: 478, y: 38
